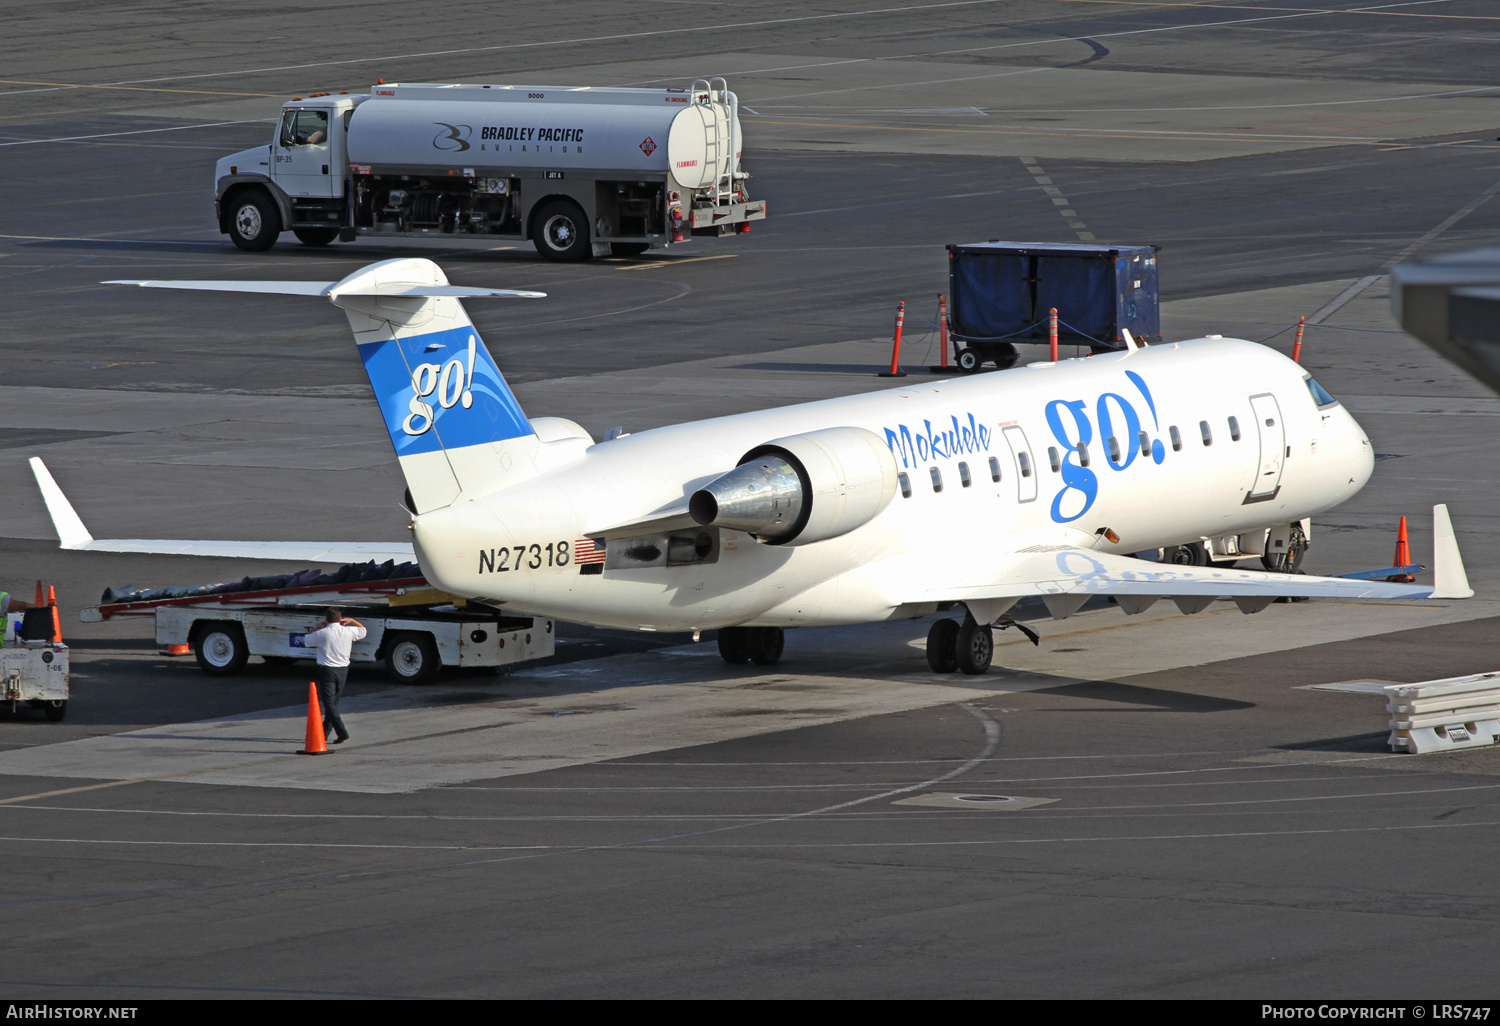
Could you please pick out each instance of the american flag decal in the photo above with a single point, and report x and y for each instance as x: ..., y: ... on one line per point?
x: 585, y: 551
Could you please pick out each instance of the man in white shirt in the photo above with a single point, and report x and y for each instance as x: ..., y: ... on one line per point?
x: 333, y: 641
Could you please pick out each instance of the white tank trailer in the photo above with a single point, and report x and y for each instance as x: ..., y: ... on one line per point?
x: 581, y: 171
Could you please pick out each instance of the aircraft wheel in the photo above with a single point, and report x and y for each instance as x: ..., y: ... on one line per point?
x: 968, y: 361
x: 974, y: 648
x: 1191, y: 554
x: 766, y: 645
x: 220, y: 648
x: 1290, y: 563
x: 734, y: 645
x: 55, y: 710
x: 941, y: 657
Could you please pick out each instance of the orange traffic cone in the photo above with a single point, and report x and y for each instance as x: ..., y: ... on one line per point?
x: 39, y: 602
x: 315, y: 743
x: 56, y: 620
x: 1403, y: 555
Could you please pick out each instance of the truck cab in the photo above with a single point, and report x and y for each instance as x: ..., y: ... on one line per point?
x: 298, y: 183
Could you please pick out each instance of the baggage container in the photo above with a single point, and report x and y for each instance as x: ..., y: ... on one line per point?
x: 1000, y: 294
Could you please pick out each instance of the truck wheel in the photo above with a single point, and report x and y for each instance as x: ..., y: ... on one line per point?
x: 411, y: 658
x: 315, y: 236
x: 562, y: 232
x: 766, y: 645
x: 968, y: 361
x: 628, y: 249
x: 1005, y: 355
x: 55, y: 710
x: 254, y: 221
x: 220, y: 648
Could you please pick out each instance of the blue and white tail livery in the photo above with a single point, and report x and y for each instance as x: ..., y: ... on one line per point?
x: 452, y: 418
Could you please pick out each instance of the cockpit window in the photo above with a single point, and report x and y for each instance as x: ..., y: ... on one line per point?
x: 1319, y: 393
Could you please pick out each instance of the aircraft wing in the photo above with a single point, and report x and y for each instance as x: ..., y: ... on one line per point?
x: 73, y: 535
x: 1066, y: 576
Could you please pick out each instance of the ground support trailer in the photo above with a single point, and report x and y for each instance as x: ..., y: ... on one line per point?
x: 35, y: 672
x: 416, y: 629
x: 1002, y: 293
x: 577, y: 170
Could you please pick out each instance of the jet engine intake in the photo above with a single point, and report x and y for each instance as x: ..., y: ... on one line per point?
x: 802, y: 488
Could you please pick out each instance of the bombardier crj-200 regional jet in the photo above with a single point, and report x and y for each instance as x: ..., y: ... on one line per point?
x: 972, y: 493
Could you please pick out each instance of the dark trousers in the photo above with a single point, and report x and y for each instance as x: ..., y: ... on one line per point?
x: 330, y: 688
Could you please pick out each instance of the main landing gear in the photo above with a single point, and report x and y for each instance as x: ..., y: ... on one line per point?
x: 953, y: 646
x: 760, y: 645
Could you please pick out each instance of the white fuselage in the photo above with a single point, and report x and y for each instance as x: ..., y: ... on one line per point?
x: 1292, y: 459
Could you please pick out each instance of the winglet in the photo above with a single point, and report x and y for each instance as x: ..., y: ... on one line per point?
x: 1130, y: 344
x: 70, y: 530
x: 1449, y: 579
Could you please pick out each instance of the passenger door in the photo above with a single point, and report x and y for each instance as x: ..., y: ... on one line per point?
x: 1272, y: 436
x: 1020, y: 451
x: 304, y: 153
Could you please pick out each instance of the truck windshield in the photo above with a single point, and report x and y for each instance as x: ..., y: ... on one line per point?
x: 304, y: 128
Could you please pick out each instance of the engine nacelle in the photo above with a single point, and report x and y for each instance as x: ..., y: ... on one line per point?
x: 802, y: 488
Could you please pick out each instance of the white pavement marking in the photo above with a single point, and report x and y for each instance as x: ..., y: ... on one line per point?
x: 407, y: 739
x: 1058, y: 199
x: 112, y: 135
x: 1343, y: 298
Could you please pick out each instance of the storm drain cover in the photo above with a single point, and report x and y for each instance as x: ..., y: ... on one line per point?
x: 995, y: 802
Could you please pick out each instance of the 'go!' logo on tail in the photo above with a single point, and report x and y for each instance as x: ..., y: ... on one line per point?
x: 419, y: 380
x: 452, y: 383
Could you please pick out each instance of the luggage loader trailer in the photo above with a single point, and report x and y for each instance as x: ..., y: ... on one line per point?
x: 415, y: 636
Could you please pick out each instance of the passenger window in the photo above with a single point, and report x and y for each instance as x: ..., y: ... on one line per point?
x: 1234, y: 429
x: 1145, y: 444
x: 1053, y: 458
x: 1176, y: 438
x: 963, y: 475
x: 937, y: 479
x: 1083, y: 455
x: 1024, y: 459
x: 905, y: 483
x: 994, y: 469
x: 1208, y: 436
x: 1114, y: 449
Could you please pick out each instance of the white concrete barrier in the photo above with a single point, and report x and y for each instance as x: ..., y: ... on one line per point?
x: 1441, y: 715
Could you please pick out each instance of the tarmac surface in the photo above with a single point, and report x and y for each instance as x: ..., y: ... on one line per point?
x: 1153, y: 806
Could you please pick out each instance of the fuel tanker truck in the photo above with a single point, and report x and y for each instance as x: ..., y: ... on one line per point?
x: 581, y: 171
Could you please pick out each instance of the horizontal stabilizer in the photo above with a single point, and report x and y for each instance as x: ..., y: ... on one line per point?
x: 329, y: 289
x: 73, y: 535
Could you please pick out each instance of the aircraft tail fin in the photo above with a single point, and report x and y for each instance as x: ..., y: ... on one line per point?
x: 455, y: 424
